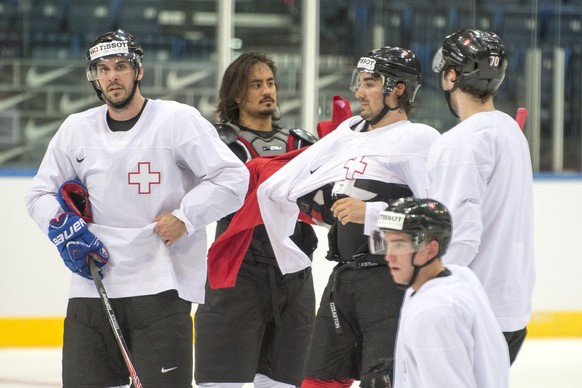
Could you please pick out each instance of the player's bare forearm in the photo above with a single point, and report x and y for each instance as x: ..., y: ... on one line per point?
x: 169, y: 228
x: 349, y: 210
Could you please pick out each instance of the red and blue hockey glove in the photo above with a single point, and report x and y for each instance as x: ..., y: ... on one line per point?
x: 77, y: 244
x: 74, y: 198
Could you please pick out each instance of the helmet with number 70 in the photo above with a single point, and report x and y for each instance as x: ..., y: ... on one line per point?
x: 478, y: 57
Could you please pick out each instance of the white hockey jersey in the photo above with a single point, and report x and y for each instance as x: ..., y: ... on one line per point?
x: 448, y: 336
x: 481, y: 171
x: 172, y: 160
x: 393, y: 154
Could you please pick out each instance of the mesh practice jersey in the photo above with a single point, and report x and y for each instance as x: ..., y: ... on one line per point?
x: 481, y: 171
x: 393, y: 154
x: 448, y: 336
x: 172, y: 160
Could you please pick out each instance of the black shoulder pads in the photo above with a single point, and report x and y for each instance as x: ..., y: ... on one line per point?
x: 228, y: 132
x: 307, y: 138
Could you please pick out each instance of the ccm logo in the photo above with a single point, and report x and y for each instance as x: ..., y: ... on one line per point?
x: 70, y: 232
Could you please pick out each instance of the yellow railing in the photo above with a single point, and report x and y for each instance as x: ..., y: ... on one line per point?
x: 48, y: 331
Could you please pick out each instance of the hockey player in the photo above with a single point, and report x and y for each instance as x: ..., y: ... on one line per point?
x: 370, y: 160
x: 481, y: 170
x: 448, y: 336
x: 260, y: 329
x: 157, y: 174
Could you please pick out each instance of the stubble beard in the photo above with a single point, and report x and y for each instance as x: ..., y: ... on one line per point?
x: 117, y: 97
x: 266, y: 112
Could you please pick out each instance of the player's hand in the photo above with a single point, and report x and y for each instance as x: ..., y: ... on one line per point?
x: 378, y: 375
x: 77, y: 244
x: 169, y: 228
x: 349, y: 210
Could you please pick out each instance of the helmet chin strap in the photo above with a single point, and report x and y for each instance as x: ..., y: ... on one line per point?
x: 383, y: 112
x: 403, y: 287
x: 448, y: 96
x: 415, y: 273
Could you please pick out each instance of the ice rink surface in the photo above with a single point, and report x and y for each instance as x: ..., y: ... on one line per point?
x: 541, y: 364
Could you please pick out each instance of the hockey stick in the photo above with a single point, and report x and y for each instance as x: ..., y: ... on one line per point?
x: 520, y: 117
x: 113, y: 322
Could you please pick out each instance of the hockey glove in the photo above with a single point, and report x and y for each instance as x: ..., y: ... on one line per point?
x: 74, y: 198
x: 378, y: 375
x: 77, y: 244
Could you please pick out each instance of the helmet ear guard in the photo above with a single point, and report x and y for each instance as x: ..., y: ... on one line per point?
x: 438, y: 61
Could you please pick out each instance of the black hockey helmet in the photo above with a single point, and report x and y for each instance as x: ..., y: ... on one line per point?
x: 395, y: 65
x: 113, y: 43
x: 424, y: 219
x: 479, y: 58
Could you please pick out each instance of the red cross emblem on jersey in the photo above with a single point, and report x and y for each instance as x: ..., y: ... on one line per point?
x: 355, y: 166
x: 144, y: 178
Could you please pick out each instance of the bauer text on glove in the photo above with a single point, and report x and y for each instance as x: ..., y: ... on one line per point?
x: 75, y: 243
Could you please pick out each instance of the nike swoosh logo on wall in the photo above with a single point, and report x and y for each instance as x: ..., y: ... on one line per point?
x: 14, y: 100
x: 34, y: 79
x: 35, y: 132
x: 175, y: 82
x: 68, y: 105
x: 206, y: 108
x: 292, y: 105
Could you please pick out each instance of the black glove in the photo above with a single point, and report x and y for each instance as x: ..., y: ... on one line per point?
x: 378, y: 375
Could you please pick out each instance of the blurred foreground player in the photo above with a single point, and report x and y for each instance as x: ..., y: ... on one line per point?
x: 448, y: 336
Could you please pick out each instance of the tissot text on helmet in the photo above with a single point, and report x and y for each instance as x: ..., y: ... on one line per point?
x: 391, y: 220
x: 366, y: 63
x: 109, y: 48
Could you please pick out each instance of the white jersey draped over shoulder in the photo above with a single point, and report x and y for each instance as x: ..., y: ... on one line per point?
x: 172, y: 160
x: 481, y: 171
x: 393, y: 154
x: 448, y: 336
